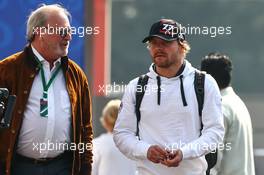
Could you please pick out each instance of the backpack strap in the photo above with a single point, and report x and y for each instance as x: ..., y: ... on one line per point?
x: 141, y: 87
x: 199, y: 78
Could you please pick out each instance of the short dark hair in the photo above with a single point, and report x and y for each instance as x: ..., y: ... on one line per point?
x: 219, y: 66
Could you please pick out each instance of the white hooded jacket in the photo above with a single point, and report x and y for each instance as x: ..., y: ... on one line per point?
x: 170, y: 124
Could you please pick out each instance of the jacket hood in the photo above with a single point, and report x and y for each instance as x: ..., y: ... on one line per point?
x: 188, y: 69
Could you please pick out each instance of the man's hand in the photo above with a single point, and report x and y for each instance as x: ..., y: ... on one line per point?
x: 174, y: 159
x: 156, y: 154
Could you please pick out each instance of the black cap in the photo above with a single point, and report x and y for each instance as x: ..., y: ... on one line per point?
x: 166, y: 29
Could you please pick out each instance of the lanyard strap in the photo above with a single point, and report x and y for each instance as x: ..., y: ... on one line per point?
x: 53, y: 76
x: 44, y: 99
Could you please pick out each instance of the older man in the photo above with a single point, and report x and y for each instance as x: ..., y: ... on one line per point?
x: 173, y: 138
x: 51, y: 130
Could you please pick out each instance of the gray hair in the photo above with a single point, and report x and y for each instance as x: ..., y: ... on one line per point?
x: 38, y: 18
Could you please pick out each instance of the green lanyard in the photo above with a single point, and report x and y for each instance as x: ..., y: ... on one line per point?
x: 53, y: 76
x: 44, y: 99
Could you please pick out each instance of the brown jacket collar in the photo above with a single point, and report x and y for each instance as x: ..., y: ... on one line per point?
x: 31, y: 59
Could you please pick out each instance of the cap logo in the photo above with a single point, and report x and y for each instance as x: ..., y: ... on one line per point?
x: 167, y: 29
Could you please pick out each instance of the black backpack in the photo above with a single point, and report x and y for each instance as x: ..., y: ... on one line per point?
x: 199, y: 78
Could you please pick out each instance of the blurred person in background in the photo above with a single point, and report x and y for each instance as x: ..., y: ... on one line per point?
x: 239, y: 159
x: 107, y: 159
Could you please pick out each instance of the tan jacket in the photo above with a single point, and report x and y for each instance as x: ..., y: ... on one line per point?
x: 17, y: 73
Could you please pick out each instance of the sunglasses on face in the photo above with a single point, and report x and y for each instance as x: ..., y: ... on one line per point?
x: 63, y: 32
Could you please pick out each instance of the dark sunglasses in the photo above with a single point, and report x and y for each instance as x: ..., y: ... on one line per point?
x: 63, y: 32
